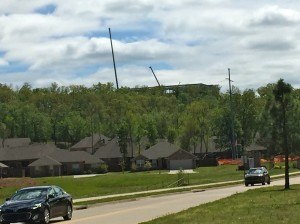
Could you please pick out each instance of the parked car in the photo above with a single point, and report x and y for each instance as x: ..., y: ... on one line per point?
x: 257, y: 175
x: 37, y: 205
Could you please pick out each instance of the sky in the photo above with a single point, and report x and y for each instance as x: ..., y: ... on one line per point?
x: 184, y: 41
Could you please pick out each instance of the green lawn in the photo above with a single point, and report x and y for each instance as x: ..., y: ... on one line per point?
x: 264, y: 205
x: 115, y: 183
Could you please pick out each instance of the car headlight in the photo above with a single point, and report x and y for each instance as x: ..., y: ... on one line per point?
x: 37, y: 206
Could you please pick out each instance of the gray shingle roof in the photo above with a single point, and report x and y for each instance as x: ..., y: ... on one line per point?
x: 45, y: 161
x: 110, y: 150
x: 162, y: 149
x: 64, y: 156
x: 15, y: 142
x: 212, y: 146
x: 30, y: 152
x: 255, y: 147
x: 88, y: 141
x: 181, y: 154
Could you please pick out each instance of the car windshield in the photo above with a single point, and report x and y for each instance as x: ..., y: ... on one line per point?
x: 255, y: 171
x: 28, y: 194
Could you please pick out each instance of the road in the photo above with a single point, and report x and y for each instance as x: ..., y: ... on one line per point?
x: 144, y: 209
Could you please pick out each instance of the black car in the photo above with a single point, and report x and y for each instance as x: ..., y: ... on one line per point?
x: 36, y: 205
x: 257, y: 175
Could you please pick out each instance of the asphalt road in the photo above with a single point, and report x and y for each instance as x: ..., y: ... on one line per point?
x: 144, y: 209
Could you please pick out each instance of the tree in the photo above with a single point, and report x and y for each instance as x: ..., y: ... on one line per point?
x: 282, y: 94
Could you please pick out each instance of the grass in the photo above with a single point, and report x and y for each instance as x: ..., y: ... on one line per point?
x: 117, y: 183
x: 264, y: 205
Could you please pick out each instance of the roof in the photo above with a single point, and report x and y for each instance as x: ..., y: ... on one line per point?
x: 64, y: 156
x: 3, y: 165
x: 162, y: 149
x: 45, y: 161
x: 14, y: 142
x: 212, y: 146
x: 112, y: 150
x: 90, y: 141
x: 255, y: 147
x: 139, y: 157
x: 30, y: 152
x: 181, y: 155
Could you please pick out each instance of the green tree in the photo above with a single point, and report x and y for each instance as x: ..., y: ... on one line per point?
x: 282, y: 94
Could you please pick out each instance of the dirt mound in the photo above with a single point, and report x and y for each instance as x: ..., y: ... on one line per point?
x: 17, y: 182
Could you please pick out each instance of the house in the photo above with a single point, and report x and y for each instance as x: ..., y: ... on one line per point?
x: 112, y: 156
x: 18, y: 158
x: 181, y: 159
x: 158, y: 153
x: 165, y: 155
x: 90, y: 144
x: 45, y: 166
x: 63, y: 162
x: 45, y: 159
x: 255, y: 153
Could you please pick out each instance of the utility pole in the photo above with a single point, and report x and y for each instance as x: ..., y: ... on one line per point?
x: 233, y: 141
x: 154, y: 76
x: 113, y: 56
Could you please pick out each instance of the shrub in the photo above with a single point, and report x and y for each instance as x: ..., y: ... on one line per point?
x: 148, y: 165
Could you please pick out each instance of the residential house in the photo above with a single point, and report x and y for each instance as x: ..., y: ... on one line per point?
x: 112, y: 156
x: 63, y: 162
x: 165, y: 155
x: 254, y: 152
x: 90, y: 144
x: 18, y: 158
x: 158, y: 153
x: 181, y: 159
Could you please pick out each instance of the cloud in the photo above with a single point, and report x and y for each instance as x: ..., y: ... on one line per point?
x: 185, y: 41
x: 275, y: 16
x: 270, y: 44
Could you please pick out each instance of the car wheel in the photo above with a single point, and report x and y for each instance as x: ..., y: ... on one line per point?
x: 263, y: 183
x: 252, y: 184
x: 46, y: 218
x: 68, y: 216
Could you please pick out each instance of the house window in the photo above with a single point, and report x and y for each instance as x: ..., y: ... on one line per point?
x: 75, y: 166
x: 154, y: 163
x: 140, y: 163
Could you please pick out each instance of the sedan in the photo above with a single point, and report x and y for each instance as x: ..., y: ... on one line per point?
x: 37, y: 205
x: 257, y: 175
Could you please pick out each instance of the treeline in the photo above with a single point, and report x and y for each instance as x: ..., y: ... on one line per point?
x: 187, y: 115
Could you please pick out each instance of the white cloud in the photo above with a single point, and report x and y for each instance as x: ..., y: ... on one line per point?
x: 198, y: 40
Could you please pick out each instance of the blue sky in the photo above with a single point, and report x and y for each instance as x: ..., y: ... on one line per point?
x: 187, y: 41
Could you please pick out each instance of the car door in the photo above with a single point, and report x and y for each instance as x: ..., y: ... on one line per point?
x: 61, y: 204
x: 53, y: 202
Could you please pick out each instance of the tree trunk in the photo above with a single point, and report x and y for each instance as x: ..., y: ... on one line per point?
x: 286, y: 152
